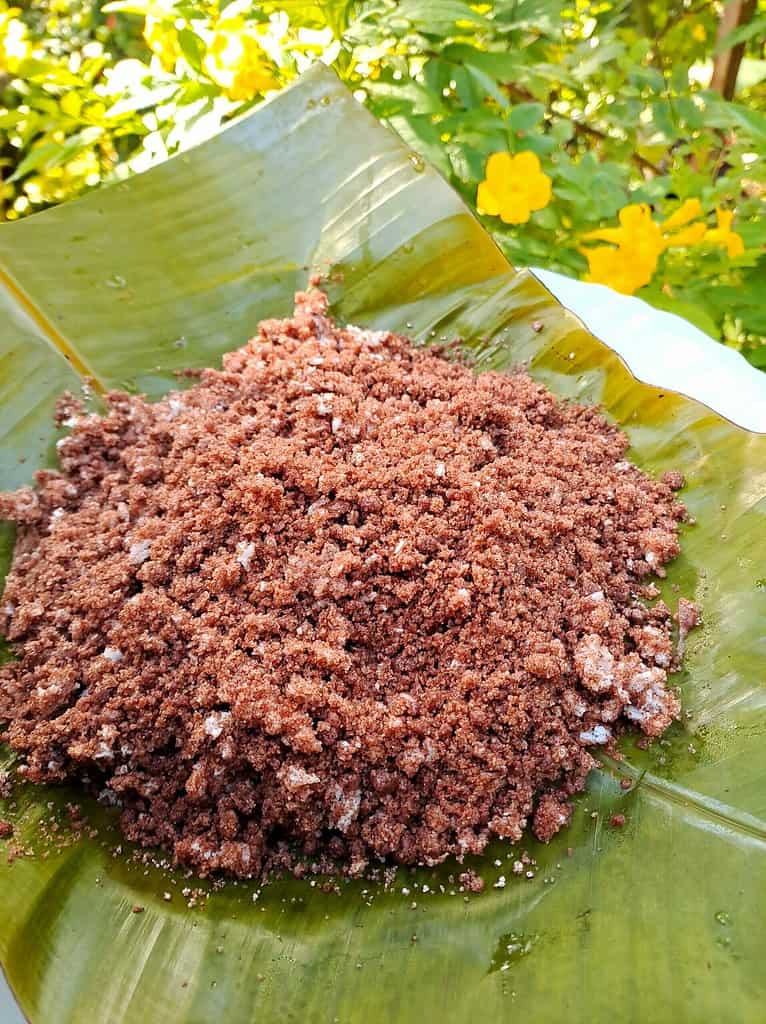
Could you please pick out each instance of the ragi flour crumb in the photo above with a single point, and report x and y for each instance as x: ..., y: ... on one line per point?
x: 342, y: 599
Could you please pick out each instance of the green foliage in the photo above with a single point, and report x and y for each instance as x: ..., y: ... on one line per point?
x: 611, y: 96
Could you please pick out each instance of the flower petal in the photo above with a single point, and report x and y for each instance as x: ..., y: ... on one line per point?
x: 634, y: 215
x: 486, y: 200
x: 539, y: 191
x: 724, y: 218
x: 689, y: 236
x: 616, y: 235
x: 688, y: 210
x: 734, y: 245
x: 515, y: 209
x: 499, y: 170
x: 525, y: 165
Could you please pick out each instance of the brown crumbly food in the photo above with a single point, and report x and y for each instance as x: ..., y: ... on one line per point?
x: 471, y: 882
x: 687, y: 615
x: 6, y: 829
x: 342, y: 596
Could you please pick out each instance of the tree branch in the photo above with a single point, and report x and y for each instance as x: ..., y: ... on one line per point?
x: 520, y: 93
x: 726, y: 64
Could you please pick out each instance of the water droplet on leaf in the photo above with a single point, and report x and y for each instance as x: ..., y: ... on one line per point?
x: 116, y: 281
x: 417, y: 162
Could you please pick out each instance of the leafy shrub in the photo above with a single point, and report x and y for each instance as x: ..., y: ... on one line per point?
x: 619, y: 165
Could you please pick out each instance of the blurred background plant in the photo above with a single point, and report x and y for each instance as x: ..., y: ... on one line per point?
x: 642, y: 122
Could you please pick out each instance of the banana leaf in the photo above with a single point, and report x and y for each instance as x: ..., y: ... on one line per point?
x: 659, y: 921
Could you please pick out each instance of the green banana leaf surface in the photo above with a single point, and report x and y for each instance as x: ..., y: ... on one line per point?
x: 658, y: 921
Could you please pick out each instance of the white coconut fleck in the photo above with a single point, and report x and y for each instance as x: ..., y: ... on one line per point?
x: 104, y: 753
x: 112, y: 654
x: 642, y: 678
x: 324, y: 404
x: 336, y: 424
x: 440, y: 469
x: 295, y: 777
x: 43, y: 691
x: 636, y: 714
x: 594, y: 663
x: 245, y: 552
x: 598, y: 735
x: 371, y: 338
x: 316, y: 361
x: 61, y: 442
x: 139, y: 552
x: 500, y: 883
x: 215, y: 722
x: 622, y: 466
x: 596, y: 596
x: 9, y: 609
x: 651, y: 558
x: 346, y: 806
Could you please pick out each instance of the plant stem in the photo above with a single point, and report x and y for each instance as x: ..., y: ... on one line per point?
x: 645, y: 19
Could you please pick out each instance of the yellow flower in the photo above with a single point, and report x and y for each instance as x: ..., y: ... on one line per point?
x: 237, y: 62
x: 513, y: 188
x: 617, y: 268
x: 698, y: 33
x: 630, y: 261
x: 631, y: 265
x: 723, y: 235
x: 162, y: 40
